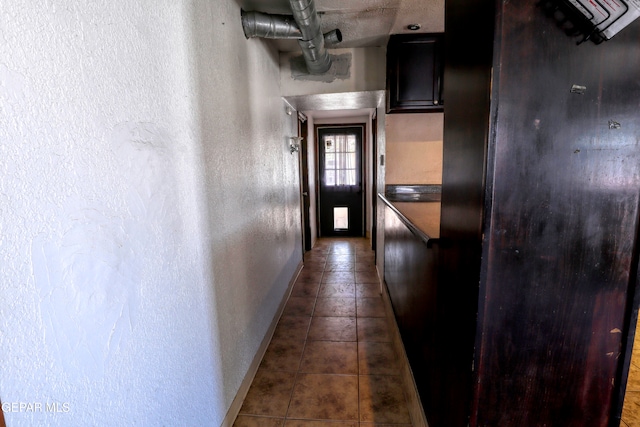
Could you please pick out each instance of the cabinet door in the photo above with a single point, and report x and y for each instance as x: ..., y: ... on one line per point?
x: 414, y: 73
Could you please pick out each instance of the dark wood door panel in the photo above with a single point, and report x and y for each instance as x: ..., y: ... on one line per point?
x: 563, y: 225
x: 341, y: 179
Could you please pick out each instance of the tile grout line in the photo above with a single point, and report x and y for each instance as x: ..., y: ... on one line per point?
x: 358, y: 375
x: 304, y: 346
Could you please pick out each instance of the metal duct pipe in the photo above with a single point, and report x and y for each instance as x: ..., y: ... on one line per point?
x: 257, y: 24
x: 265, y: 25
x: 333, y: 37
x: 312, y: 42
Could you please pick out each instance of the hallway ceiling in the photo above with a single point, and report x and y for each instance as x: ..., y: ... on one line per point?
x: 363, y: 23
x: 337, y: 105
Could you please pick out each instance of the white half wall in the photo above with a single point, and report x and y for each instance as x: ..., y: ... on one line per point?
x: 149, y: 210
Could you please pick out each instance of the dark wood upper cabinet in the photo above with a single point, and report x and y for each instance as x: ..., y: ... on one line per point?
x: 414, y: 73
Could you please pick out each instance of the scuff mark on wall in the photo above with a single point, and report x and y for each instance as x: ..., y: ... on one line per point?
x: 146, y: 154
x: 90, y: 277
x: 88, y: 289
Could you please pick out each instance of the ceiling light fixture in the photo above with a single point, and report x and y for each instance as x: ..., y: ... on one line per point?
x: 413, y: 27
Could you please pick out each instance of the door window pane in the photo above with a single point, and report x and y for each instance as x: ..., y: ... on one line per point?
x: 329, y: 146
x: 330, y: 161
x: 340, y: 218
x: 346, y: 177
x: 330, y: 177
x: 351, y: 144
x: 340, y: 160
x: 350, y: 161
x: 351, y: 177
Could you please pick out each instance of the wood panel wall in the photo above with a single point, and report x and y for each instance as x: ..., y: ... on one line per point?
x: 536, y: 268
x: 561, y: 234
x: 469, y: 41
x: 411, y: 278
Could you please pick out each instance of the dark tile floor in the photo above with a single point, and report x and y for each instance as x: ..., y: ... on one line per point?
x: 331, y: 361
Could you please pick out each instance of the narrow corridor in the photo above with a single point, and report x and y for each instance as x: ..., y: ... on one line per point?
x: 331, y: 361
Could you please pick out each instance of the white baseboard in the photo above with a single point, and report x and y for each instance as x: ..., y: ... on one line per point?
x: 234, y: 409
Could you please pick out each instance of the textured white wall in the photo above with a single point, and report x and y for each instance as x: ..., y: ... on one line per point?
x: 149, y: 210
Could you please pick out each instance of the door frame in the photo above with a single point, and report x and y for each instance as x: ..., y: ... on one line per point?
x: 363, y: 155
x: 303, y: 159
x: 374, y: 183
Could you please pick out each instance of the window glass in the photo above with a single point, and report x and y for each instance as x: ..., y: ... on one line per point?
x: 340, y: 159
x: 329, y: 146
x: 330, y: 177
x: 351, y: 143
x: 330, y: 161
